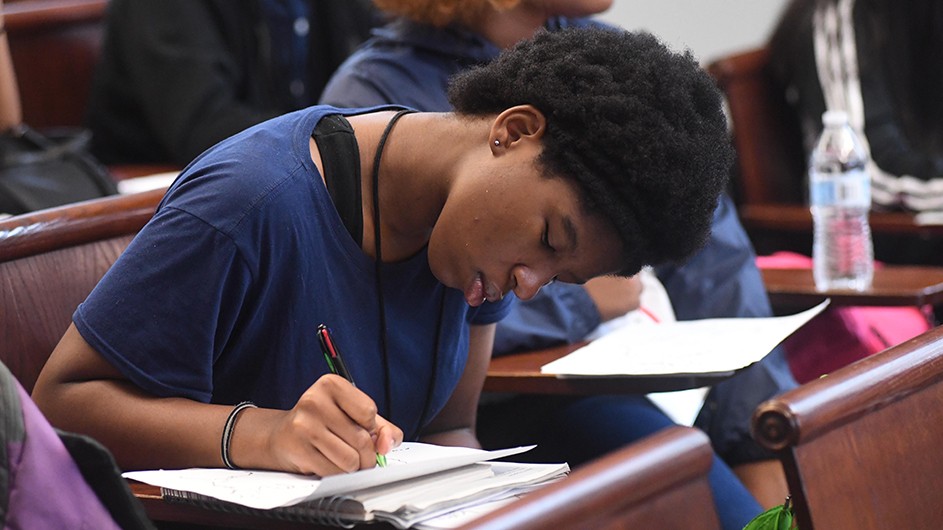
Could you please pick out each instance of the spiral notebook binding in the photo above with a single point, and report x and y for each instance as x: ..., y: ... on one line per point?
x: 330, y: 507
x: 326, y: 510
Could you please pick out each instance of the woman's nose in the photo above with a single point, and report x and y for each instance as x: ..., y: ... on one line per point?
x: 529, y: 282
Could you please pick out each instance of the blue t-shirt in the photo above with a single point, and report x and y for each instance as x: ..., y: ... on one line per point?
x: 218, y: 298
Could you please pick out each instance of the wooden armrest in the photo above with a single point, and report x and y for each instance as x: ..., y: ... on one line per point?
x: 76, y: 224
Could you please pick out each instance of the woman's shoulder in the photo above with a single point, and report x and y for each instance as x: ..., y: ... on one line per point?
x: 258, y: 169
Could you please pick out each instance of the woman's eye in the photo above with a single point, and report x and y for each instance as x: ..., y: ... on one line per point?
x: 545, y: 238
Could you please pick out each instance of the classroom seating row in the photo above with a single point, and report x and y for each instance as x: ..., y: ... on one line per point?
x: 769, y: 179
x: 56, y: 43
x: 858, y: 446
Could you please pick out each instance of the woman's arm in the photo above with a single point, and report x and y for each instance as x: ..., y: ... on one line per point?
x: 333, y: 428
x: 455, y: 423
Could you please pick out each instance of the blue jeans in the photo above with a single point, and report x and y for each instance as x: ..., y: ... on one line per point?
x: 579, y: 429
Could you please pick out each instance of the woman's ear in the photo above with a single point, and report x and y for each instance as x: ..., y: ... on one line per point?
x: 516, y: 124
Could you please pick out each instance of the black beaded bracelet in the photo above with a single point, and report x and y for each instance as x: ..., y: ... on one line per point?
x: 228, y: 429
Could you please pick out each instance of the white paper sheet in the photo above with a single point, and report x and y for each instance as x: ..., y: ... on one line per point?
x: 709, y: 346
x: 147, y: 183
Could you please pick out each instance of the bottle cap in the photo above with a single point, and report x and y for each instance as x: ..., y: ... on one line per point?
x: 834, y: 118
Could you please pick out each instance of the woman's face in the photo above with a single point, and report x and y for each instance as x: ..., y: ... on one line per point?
x: 506, y: 227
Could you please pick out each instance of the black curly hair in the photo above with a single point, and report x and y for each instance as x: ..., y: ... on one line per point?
x: 638, y: 127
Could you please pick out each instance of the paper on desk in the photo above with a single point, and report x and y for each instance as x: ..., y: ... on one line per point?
x: 272, y: 489
x: 709, y: 346
x: 147, y: 183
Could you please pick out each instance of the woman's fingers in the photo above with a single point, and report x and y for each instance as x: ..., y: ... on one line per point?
x: 334, y: 428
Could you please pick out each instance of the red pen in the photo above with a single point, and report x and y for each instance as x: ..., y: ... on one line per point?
x: 336, y: 363
x: 332, y: 354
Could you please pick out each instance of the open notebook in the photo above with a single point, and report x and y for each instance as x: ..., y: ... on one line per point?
x: 421, y: 482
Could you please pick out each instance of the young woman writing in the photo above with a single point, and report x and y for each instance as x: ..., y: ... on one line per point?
x: 403, y: 232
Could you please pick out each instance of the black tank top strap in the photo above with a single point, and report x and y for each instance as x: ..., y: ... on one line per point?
x: 340, y: 157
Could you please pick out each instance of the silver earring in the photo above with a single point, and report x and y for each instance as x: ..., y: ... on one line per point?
x: 497, y: 143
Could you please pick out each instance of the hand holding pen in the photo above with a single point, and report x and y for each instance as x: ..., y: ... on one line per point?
x: 337, y: 366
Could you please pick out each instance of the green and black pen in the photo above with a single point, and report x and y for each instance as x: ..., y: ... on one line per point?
x: 336, y: 364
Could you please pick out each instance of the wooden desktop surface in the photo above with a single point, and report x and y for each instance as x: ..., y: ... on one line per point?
x: 780, y: 217
x: 892, y: 286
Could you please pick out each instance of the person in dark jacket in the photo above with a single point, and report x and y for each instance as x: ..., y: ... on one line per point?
x: 177, y: 76
x: 882, y: 62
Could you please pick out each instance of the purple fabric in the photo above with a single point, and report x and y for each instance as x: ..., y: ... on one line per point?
x: 47, y: 489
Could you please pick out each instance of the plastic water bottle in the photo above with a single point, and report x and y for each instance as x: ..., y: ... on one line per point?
x: 840, y: 198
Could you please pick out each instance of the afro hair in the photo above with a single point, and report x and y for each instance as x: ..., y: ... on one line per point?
x: 639, y: 128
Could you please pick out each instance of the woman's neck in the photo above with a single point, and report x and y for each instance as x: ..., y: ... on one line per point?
x: 420, y: 159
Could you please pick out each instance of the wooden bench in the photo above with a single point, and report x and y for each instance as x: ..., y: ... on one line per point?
x: 657, y: 482
x: 861, y: 446
x: 49, y: 261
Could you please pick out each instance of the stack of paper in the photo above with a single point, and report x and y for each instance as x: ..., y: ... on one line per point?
x: 421, y: 482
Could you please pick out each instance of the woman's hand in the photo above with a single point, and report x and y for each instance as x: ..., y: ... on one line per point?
x: 334, y: 428
x: 614, y: 296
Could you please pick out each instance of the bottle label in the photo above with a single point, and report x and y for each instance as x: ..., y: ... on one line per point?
x: 852, y: 188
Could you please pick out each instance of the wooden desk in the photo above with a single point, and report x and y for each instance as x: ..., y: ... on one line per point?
x: 775, y: 226
x: 520, y: 373
x: 892, y: 286
x: 798, y: 218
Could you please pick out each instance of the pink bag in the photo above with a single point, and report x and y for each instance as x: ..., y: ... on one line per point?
x: 842, y: 335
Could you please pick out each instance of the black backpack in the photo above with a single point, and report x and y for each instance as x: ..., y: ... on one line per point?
x: 41, y: 171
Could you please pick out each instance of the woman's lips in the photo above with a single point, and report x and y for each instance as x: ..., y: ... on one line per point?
x: 475, y: 291
x: 480, y: 290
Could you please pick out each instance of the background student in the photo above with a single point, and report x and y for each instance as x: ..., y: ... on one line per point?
x: 882, y: 62
x: 177, y: 76
x: 409, y: 61
x: 216, y: 300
